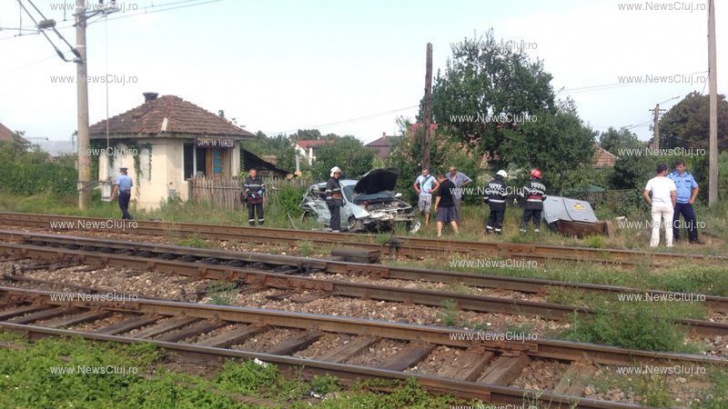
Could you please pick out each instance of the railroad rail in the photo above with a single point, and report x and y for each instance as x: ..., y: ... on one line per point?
x: 488, y: 363
x: 259, y: 272
x: 402, y: 246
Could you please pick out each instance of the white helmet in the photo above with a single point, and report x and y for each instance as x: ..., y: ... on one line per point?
x: 502, y: 173
x: 334, y: 170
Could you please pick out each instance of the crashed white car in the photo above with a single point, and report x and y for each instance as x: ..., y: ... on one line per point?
x: 369, y: 203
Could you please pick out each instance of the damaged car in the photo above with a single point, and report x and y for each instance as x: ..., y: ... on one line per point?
x: 370, y: 203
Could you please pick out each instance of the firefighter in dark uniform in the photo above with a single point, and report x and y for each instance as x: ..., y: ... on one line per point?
x: 253, y: 192
x: 495, y: 196
x: 334, y: 199
x: 535, y: 193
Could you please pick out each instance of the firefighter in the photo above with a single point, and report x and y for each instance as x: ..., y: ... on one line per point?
x: 334, y: 199
x: 253, y: 194
x: 535, y: 193
x: 495, y: 197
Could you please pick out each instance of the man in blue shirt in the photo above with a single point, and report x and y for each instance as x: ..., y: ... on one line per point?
x: 425, y: 185
x: 687, y: 191
x: 122, y: 187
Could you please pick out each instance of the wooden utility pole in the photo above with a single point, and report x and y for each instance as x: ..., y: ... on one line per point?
x: 713, y: 139
x: 84, y: 160
x: 656, y: 128
x: 428, y: 109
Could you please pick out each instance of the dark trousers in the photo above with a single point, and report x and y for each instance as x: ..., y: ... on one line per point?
x: 124, y: 197
x: 495, y: 220
x: 528, y: 214
x: 335, y: 222
x: 253, y: 209
x: 686, y: 209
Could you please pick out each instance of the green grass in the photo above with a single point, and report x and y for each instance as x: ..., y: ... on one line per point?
x: 222, y: 292
x: 27, y: 381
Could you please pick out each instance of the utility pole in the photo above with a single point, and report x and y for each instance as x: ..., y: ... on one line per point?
x: 84, y: 160
x: 656, y: 129
x: 428, y: 109
x: 713, y: 138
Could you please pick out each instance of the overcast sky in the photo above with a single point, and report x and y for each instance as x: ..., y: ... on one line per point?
x: 345, y: 66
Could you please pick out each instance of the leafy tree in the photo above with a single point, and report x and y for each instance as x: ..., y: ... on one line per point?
x: 307, y: 134
x: 278, y: 145
x: 687, y: 123
x: 348, y: 153
x: 487, y: 90
x: 557, y: 143
x: 615, y: 140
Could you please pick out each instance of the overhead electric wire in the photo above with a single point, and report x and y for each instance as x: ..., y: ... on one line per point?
x: 58, y: 51
x: 73, y: 49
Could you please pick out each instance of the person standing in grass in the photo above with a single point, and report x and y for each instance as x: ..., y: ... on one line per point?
x: 663, y: 198
x: 254, y: 188
x: 687, y: 192
x: 334, y: 199
x: 425, y: 185
x: 445, y: 205
x: 535, y: 193
x: 495, y: 196
x: 459, y: 179
x: 122, y: 188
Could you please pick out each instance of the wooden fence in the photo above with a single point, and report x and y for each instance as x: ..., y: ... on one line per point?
x: 224, y: 193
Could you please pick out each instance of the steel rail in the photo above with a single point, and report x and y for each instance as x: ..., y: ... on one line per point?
x: 258, y: 278
x: 407, y: 246
x: 306, y: 264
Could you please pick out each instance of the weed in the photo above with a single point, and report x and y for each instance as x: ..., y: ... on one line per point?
x: 449, y: 313
x: 194, y: 241
x: 305, y: 247
x: 325, y: 384
x: 222, y: 292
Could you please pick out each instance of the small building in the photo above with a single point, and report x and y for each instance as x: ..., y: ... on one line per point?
x: 7, y: 135
x: 383, y: 145
x: 603, y: 159
x: 165, y: 142
x: 307, y: 148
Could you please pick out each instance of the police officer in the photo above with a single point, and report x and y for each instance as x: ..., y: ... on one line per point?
x: 495, y: 196
x: 334, y: 199
x: 253, y: 191
x: 687, y: 192
x: 122, y: 188
x: 535, y: 193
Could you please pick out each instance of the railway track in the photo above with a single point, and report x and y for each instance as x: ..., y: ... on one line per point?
x: 486, y: 364
x: 259, y: 272
x: 400, y: 246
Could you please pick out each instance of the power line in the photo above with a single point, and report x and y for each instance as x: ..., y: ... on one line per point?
x: 346, y: 121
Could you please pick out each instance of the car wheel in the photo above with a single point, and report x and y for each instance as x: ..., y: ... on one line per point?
x: 354, y: 225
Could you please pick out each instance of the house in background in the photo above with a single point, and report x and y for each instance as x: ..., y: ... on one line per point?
x: 307, y: 148
x: 603, y: 159
x: 173, y: 141
x: 7, y: 135
x: 382, y: 145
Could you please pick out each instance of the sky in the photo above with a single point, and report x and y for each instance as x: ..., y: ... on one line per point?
x: 347, y: 67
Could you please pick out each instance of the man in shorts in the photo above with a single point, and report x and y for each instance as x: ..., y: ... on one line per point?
x: 445, y: 205
x: 425, y: 184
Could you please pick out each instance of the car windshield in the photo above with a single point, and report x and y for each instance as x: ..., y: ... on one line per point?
x: 348, y: 192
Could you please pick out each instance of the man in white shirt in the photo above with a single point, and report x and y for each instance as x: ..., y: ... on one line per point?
x: 664, y: 197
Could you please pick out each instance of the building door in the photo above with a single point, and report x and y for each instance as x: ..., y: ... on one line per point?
x: 217, y: 163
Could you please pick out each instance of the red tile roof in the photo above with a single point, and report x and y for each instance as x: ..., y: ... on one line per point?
x: 7, y: 135
x: 181, y: 117
x: 313, y: 143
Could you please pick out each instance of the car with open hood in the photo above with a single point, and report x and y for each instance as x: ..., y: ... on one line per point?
x: 370, y: 203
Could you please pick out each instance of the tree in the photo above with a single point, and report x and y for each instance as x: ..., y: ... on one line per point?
x: 348, y: 153
x: 487, y: 90
x: 687, y: 125
x: 278, y: 145
x: 306, y: 135
x: 614, y: 141
x: 557, y: 143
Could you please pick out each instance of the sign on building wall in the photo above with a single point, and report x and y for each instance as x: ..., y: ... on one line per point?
x: 205, y: 142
